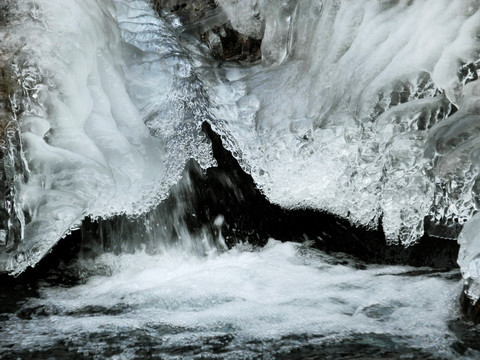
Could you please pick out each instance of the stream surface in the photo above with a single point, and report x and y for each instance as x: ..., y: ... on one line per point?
x: 283, y: 301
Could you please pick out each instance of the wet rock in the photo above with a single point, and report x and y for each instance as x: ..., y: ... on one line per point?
x: 6, y: 9
x: 6, y: 89
x: 189, y: 11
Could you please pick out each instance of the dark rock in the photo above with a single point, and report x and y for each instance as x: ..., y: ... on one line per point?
x: 204, y: 19
x: 229, y: 45
x: 469, y: 72
x: 467, y: 334
x: 189, y: 11
x: 6, y: 11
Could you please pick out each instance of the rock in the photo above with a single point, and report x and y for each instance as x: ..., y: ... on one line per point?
x: 204, y: 19
x: 189, y: 11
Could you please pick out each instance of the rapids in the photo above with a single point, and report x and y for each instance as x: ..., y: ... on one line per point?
x: 285, y: 300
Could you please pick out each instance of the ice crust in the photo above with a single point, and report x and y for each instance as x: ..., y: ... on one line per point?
x: 346, y: 112
x: 108, y: 110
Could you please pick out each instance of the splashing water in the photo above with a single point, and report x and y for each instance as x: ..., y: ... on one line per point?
x: 283, y: 299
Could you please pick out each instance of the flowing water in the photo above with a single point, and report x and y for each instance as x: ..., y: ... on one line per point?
x: 283, y: 301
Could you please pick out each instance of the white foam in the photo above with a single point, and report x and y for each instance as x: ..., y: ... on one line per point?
x: 283, y: 289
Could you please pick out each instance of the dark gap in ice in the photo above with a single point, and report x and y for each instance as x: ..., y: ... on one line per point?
x: 228, y: 191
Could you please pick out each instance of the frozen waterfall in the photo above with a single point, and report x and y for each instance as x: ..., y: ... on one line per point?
x: 108, y: 109
x: 365, y: 109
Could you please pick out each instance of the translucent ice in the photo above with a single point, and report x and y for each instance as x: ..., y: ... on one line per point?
x: 348, y: 96
x: 469, y: 256
x: 106, y: 109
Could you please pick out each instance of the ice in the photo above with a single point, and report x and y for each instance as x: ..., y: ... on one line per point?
x: 106, y: 110
x: 469, y: 257
x: 347, y: 97
x: 365, y: 109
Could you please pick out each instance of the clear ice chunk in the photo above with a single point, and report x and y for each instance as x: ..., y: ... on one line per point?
x: 469, y: 256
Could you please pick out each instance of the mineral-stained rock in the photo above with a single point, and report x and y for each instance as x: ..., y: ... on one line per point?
x: 206, y: 20
x: 6, y: 85
x: 189, y: 11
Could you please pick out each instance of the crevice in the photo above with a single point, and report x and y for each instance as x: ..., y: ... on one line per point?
x: 229, y: 191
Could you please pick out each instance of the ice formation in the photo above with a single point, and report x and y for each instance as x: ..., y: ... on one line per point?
x: 464, y: 161
x: 366, y: 109
x: 108, y: 110
x: 469, y: 256
x: 348, y: 96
